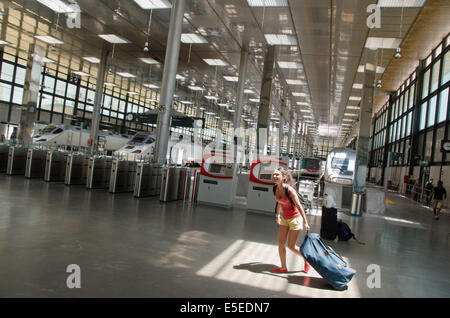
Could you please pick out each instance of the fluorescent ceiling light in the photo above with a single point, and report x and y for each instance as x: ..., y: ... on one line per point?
x: 296, y: 94
x: 254, y: 100
x: 57, y: 5
x: 3, y: 42
x: 192, y: 38
x: 357, y: 86
x: 148, y: 60
x: 125, y: 74
x: 47, y: 60
x: 303, y: 104
x: 48, y: 39
x: 215, y: 62
x: 186, y: 102
x: 295, y: 82
x: 151, y: 86
x: 81, y: 73
x: 291, y: 65
x: 179, y: 77
x: 267, y: 3
x: 347, y: 119
x: 305, y: 110
x: 380, y: 69
x: 132, y: 93
x: 351, y: 114
x: 109, y: 84
x: 153, y: 4
x: 211, y: 97
x: 231, y: 110
x: 280, y: 39
x: 223, y: 104
x: 355, y: 98
x: 115, y: 39
x: 91, y: 59
x: 231, y: 78
x: 400, y: 3
x: 352, y: 107
x: 382, y: 43
x: 248, y: 91
x: 195, y: 88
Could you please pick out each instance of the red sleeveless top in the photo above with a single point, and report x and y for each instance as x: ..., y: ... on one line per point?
x: 286, y: 207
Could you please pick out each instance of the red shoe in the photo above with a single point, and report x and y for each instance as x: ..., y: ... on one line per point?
x: 307, y: 267
x: 279, y: 270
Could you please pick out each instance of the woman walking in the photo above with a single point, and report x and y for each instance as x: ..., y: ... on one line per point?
x: 290, y: 217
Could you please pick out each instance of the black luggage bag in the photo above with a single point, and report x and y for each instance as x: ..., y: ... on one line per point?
x: 328, y: 225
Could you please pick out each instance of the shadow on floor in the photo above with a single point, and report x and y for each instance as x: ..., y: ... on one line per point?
x: 306, y: 281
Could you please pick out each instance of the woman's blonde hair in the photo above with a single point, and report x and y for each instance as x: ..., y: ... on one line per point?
x: 287, y: 176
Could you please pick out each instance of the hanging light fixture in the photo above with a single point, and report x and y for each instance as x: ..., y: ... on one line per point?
x: 146, y: 46
x: 398, y: 54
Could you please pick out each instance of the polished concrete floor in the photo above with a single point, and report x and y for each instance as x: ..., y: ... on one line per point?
x: 128, y: 247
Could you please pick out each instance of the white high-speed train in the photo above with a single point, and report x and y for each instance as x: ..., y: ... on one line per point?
x: 340, y: 166
x: 142, y: 146
x: 64, y: 135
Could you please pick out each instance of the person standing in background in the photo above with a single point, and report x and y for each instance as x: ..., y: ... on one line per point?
x: 438, y: 194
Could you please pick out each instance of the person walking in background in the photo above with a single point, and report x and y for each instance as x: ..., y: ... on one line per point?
x: 428, y: 189
x: 438, y: 194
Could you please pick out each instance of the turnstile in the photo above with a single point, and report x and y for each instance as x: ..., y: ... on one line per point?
x: 99, y: 172
x: 179, y: 184
x: 123, y: 175
x: 148, y: 179
x: 4, y: 149
x: 17, y: 160
x: 76, y: 169
x: 55, y: 166
x: 35, y: 166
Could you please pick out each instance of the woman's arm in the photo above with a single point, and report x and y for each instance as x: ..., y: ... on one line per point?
x: 277, y: 211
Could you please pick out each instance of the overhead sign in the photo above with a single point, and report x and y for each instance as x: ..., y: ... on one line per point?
x: 177, y: 121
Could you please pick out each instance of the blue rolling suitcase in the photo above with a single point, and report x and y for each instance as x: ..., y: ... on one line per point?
x: 326, y: 262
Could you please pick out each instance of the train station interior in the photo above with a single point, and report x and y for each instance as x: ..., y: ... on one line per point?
x: 140, y: 140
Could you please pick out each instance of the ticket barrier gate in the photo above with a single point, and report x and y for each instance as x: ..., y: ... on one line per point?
x: 55, y: 166
x: 35, y: 166
x: 4, y: 149
x: 76, y: 169
x: 179, y: 184
x: 169, y: 184
x: 123, y: 176
x: 148, y: 179
x: 17, y: 160
x: 99, y: 172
